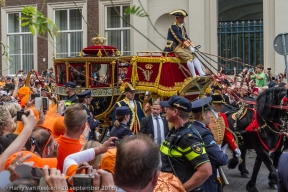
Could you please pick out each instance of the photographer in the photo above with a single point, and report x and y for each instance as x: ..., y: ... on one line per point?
x: 260, y: 76
x: 18, y: 144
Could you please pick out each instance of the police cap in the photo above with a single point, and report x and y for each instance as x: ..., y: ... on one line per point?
x: 201, y: 105
x: 178, y: 102
x: 122, y: 111
x: 179, y: 12
x: 84, y: 94
x: 70, y: 84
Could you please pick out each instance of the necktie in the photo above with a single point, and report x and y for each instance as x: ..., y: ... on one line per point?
x: 158, y: 132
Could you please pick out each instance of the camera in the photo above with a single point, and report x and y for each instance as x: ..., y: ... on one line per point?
x: 33, y: 95
x: 117, y: 142
x: 45, y: 103
x: 20, y: 113
x: 83, y: 182
x: 250, y: 70
x: 269, y: 69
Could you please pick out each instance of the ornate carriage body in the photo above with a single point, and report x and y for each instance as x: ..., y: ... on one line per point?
x: 103, y: 70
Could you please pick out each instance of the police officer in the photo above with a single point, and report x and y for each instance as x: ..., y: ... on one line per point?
x: 120, y: 128
x: 183, y: 152
x: 85, y: 99
x: 202, y: 116
x: 70, y: 91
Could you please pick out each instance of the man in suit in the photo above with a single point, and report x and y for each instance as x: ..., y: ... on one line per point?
x: 155, y: 125
x: 136, y: 112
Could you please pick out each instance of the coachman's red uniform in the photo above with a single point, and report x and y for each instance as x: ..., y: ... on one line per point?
x: 220, y: 129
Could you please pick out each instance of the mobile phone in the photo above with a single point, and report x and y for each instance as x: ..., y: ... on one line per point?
x: 20, y: 113
x: 38, y: 103
x: 117, y: 142
x: 269, y: 69
x: 250, y: 70
x: 83, y: 182
x: 45, y: 104
x: 34, y: 95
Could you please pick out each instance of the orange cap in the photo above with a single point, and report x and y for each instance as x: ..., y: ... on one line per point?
x: 38, y: 161
x: 108, y: 160
x: 59, y: 127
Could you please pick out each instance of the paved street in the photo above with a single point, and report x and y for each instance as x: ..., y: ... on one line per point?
x: 237, y: 183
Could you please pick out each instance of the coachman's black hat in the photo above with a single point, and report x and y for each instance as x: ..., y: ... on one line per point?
x: 129, y: 87
x: 179, y: 12
x: 178, y: 102
x: 217, y: 99
x: 201, y: 105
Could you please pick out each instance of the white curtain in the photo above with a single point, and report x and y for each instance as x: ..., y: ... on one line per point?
x: 20, y: 46
x: 70, y: 38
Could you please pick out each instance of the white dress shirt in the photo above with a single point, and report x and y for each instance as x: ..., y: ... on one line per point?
x: 132, y: 103
x: 155, y: 128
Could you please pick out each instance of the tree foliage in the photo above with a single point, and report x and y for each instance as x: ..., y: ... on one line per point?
x: 135, y: 11
x: 36, y: 20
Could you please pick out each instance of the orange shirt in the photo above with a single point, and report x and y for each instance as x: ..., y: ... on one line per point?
x: 66, y: 147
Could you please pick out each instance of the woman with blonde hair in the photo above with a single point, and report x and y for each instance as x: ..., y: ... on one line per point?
x: 120, y: 128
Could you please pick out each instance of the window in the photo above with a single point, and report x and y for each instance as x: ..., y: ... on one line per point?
x: 70, y: 37
x: 20, y: 45
x: 117, y: 31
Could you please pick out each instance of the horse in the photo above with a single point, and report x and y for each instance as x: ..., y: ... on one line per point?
x: 238, y: 119
x: 265, y: 136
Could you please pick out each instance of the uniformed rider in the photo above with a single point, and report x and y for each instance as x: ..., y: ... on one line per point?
x: 201, y: 117
x: 85, y: 99
x: 179, y: 43
x: 183, y: 152
x: 71, y: 95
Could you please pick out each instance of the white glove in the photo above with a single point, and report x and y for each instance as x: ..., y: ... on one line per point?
x: 192, y: 49
x: 238, y: 152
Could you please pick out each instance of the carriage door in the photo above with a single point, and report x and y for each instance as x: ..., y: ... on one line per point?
x: 240, y: 34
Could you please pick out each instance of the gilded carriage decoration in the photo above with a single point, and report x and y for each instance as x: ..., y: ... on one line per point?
x: 101, y: 69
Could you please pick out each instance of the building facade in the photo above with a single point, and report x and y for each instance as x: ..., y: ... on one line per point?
x: 210, y: 24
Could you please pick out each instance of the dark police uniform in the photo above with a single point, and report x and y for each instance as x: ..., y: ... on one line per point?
x: 184, y: 147
x: 92, y: 123
x: 72, y: 99
x: 123, y: 129
x: 216, y: 156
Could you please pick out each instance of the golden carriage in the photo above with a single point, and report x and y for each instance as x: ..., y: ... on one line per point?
x: 103, y: 70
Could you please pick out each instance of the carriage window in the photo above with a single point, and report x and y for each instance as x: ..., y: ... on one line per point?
x: 77, y: 75
x: 122, y: 70
x: 61, y: 74
x: 100, y: 74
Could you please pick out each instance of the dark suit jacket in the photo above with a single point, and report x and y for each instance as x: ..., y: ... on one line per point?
x: 120, y: 131
x: 147, y: 127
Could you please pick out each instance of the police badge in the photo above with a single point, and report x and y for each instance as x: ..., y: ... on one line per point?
x: 197, y: 147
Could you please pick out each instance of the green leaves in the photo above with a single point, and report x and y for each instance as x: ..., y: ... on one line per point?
x: 36, y: 20
x: 135, y: 11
